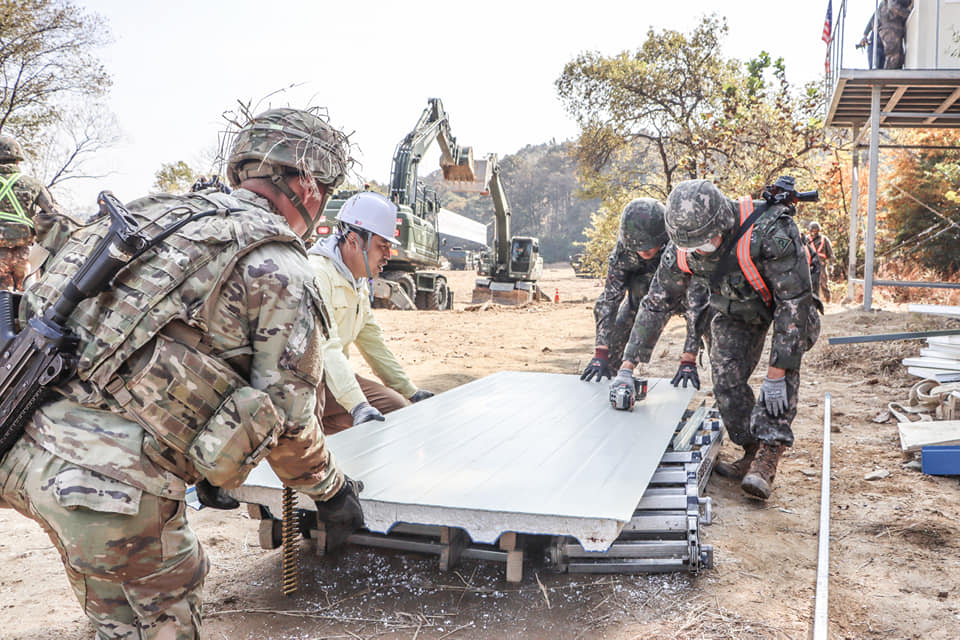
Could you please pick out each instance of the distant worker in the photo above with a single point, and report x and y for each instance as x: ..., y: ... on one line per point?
x: 345, y: 263
x: 630, y: 269
x: 820, y: 244
x: 756, y: 279
x: 21, y: 198
x: 891, y: 19
x: 201, y: 361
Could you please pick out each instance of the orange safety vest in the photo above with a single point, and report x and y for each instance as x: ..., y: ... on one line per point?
x: 747, y: 266
x: 819, y: 250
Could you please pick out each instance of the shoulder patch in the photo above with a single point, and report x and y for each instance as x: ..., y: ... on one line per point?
x: 669, y: 258
x: 782, y: 241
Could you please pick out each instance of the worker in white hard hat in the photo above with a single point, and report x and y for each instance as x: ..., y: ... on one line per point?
x: 345, y: 263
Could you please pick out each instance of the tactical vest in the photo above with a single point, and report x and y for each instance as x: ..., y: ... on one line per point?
x: 144, y: 349
x: 747, y: 267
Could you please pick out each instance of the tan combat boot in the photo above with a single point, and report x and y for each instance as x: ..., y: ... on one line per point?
x: 738, y: 468
x: 759, y: 479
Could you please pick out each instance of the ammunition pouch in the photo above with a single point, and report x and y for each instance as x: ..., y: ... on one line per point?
x: 202, y: 420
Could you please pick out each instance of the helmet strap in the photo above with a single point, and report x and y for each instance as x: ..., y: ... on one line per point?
x: 279, y: 180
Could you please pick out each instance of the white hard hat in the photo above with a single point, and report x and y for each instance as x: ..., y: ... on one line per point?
x: 372, y: 212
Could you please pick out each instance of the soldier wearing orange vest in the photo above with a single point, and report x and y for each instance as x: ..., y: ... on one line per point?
x: 21, y: 197
x: 820, y: 244
x: 750, y: 254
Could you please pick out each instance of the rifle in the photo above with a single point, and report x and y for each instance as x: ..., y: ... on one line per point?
x: 784, y: 191
x: 43, y: 354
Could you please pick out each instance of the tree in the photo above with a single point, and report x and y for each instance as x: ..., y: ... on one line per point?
x: 175, y: 177
x: 50, y: 79
x: 677, y: 109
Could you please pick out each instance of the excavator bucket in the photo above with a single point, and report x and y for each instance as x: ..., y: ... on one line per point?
x: 474, y: 181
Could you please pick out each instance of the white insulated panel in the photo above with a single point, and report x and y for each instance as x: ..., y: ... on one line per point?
x: 525, y: 452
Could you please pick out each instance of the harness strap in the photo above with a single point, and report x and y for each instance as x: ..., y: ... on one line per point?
x: 682, y: 260
x: 743, y: 253
x: 6, y: 193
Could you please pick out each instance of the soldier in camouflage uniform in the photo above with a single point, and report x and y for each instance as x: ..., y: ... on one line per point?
x: 757, y: 279
x: 201, y: 360
x: 630, y: 269
x: 21, y: 198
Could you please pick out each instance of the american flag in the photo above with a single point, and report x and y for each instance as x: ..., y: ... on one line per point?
x: 828, y: 34
x: 828, y: 23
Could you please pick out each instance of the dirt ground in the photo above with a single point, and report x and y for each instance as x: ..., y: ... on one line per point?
x: 895, y: 542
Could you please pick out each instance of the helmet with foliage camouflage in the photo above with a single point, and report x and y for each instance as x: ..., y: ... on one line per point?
x: 641, y: 225
x: 289, y: 141
x: 696, y: 212
x: 10, y: 149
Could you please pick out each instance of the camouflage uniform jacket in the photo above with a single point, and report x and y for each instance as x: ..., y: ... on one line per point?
x: 778, y: 253
x: 243, y: 283
x: 32, y: 197
x: 629, y: 274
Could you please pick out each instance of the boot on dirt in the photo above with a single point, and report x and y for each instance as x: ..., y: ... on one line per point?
x: 738, y: 468
x: 759, y: 479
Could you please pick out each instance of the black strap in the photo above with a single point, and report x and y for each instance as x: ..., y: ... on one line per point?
x: 727, y: 258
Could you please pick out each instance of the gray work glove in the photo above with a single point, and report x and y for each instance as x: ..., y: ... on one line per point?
x: 599, y: 366
x: 623, y: 390
x: 343, y: 509
x: 773, y: 394
x: 365, y: 412
x: 687, y: 373
x: 421, y: 394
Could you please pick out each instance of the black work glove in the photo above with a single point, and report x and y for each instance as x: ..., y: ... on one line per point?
x: 687, y: 373
x: 214, y: 497
x: 421, y: 394
x: 598, y: 367
x: 365, y: 412
x: 343, y: 509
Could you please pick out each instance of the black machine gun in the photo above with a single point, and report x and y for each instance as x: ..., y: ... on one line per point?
x: 784, y: 191
x: 43, y: 354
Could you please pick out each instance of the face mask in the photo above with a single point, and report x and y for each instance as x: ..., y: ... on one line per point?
x: 706, y: 247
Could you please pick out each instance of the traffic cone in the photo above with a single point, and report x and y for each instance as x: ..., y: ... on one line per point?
x: 556, y: 295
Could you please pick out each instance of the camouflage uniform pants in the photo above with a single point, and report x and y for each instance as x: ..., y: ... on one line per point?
x: 734, y: 354
x: 892, y: 38
x: 137, y: 575
x: 622, y: 326
x: 14, y: 267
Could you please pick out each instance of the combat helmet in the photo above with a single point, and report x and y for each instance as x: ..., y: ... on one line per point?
x: 282, y: 142
x: 814, y: 225
x: 696, y: 212
x: 10, y: 150
x: 641, y: 225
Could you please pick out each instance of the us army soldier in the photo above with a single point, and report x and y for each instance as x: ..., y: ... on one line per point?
x: 631, y: 266
x: 21, y: 198
x: 756, y: 279
x: 201, y: 360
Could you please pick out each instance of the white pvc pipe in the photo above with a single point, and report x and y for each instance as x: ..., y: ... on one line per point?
x: 821, y: 619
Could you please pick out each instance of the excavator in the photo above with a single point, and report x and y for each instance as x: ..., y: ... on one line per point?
x: 510, y: 270
x: 410, y: 280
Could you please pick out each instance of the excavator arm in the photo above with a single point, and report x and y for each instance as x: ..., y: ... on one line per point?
x: 455, y: 161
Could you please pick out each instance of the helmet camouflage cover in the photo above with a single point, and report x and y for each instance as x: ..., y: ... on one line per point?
x: 696, y: 212
x: 641, y: 225
x: 10, y: 149
x: 289, y: 141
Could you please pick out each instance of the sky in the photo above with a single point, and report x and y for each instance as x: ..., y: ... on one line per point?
x: 178, y: 65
